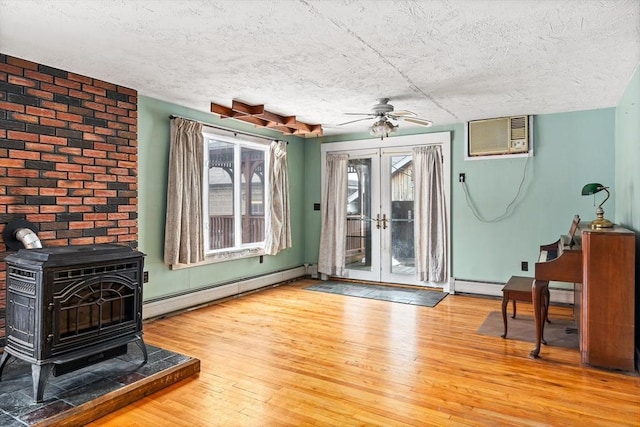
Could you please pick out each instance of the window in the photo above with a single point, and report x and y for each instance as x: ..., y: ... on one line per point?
x: 234, y: 194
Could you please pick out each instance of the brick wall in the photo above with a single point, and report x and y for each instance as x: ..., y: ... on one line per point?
x: 68, y: 157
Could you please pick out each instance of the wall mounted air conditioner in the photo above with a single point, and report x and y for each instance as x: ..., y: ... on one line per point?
x: 498, y: 137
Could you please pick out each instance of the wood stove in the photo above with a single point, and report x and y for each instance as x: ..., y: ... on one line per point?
x: 69, y: 306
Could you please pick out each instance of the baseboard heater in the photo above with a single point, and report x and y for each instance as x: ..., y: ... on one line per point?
x: 558, y: 295
x: 162, y: 306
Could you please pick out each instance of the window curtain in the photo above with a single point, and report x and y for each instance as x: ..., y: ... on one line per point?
x: 184, y: 236
x: 278, y: 226
x: 333, y: 240
x: 430, y: 231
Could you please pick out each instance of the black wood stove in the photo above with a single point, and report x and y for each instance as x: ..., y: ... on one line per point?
x: 71, y: 306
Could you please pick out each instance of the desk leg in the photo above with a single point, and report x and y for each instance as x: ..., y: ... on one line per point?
x: 539, y: 293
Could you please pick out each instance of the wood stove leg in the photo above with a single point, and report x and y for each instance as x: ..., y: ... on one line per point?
x: 539, y: 292
x: 5, y: 358
x: 143, y: 347
x: 40, y: 375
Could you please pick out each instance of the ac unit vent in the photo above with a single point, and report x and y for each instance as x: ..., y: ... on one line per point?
x: 504, y: 135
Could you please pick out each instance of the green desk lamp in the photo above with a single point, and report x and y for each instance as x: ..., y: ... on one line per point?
x: 600, y: 221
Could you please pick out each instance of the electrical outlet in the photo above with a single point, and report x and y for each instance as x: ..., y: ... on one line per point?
x: 524, y: 265
x: 461, y: 177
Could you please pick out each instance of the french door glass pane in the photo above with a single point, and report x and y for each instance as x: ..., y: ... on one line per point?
x: 358, y: 253
x: 402, y: 248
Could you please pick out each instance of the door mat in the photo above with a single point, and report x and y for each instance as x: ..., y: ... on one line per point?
x: 423, y: 297
x: 522, y: 328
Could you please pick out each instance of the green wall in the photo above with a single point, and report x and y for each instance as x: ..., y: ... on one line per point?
x: 570, y: 150
x: 153, y: 140
x: 628, y: 156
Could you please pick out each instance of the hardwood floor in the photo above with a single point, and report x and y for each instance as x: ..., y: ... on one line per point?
x: 289, y: 357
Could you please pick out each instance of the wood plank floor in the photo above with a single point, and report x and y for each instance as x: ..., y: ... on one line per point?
x: 289, y: 357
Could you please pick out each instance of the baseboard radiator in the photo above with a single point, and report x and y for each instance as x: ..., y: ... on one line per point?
x: 162, y: 306
x: 558, y: 295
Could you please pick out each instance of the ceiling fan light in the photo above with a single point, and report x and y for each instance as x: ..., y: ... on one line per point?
x: 382, y: 128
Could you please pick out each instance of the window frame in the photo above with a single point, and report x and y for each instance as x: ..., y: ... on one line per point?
x: 239, y: 141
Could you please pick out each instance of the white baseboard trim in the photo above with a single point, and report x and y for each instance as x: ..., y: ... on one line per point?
x: 164, y: 306
x: 559, y: 296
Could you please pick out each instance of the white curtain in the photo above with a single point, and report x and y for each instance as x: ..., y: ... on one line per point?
x: 278, y: 226
x: 333, y: 238
x: 430, y: 231
x: 184, y: 238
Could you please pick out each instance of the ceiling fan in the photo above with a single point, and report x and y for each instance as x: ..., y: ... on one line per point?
x: 383, y: 113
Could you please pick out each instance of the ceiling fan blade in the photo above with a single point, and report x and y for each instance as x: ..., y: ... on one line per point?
x: 418, y: 121
x: 403, y: 113
x: 353, y: 121
x: 359, y: 114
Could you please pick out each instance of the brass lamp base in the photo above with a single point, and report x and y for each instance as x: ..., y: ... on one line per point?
x: 601, y: 222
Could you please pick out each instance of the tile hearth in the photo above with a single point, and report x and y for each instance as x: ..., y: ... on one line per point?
x: 123, y: 379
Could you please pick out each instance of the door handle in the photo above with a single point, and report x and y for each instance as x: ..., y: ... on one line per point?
x: 377, y: 221
x: 384, y: 221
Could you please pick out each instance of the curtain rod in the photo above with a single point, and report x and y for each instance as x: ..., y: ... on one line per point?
x: 173, y: 116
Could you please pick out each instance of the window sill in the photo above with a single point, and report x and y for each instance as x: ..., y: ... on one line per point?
x: 216, y: 258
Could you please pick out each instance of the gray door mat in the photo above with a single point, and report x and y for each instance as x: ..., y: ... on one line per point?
x: 413, y: 296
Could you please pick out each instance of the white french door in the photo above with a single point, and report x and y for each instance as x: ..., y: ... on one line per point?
x: 379, y: 213
x: 379, y: 232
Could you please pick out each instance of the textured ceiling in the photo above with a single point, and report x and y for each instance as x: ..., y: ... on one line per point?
x: 449, y: 61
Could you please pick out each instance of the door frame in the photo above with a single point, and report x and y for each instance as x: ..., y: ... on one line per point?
x: 437, y: 138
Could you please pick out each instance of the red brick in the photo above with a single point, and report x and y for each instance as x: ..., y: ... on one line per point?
x: 82, y: 241
x: 54, y: 106
x: 41, y: 218
x: 10, y: 106
x: 27, y: 173
x: 40, y: 94
x: 38, y: 76
x: 80, y: 78
x: 129, y: 120
x: 105, y: 178
x: 106, y: 162
x: 81, y: 127
x: 106, y: 193
x: 35, y: 146
x: 118, y: 215
x: 80, y: 94
x: 127, y: 223
x: 127, y: 208
x: 58, y: 158
x: 23, y: 63
x: 54, y: 88
x: 80, y: 176
x: 11, y: 200
x: 11, y: 69
x: 105, y: 85
x: 127, y: 105
x: 13, y: 163
x: 67, y: 167
x: 26, y: 155
x: 96, y: 185
x: 52, y: 122
x: 69, y: 117
x: 128, y: 237
x: 115, y: 125
x: 21, y: 81
x: 117, y: 111
x: 105, y: 224
x: 126, y: 164
x: 94, y: 153
x: 82, y: 192
x: 69, y: 184
x: 127, y: 178
x: 94, y: 90
x: 69, y: 200
x: 106, y: 116
x: 81, y: 224
x: 74, y: 151
x: 54, y: 175
x: 53, y: 192
x: 23, y: 191
x: 56, y: 140
x: 83, y: 160
x: 127, y: 91
x: 104, y: 131
x: 57, y: 242
x: 43, y: 112
x: 52, y: 209
x: 13, y: 182
x: 106, y: 239
x: 94, y: 216
x: 119, y: 156
x: 22, y: 209
x: 94, y: 106
x: 106, y: 101
x: 67, y: 83
x: 94, y: 169
x: 119, y: 171
x: 24, y: 117
x: 80, y: 209
x: 116, y: 231
x: 92, y: 137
